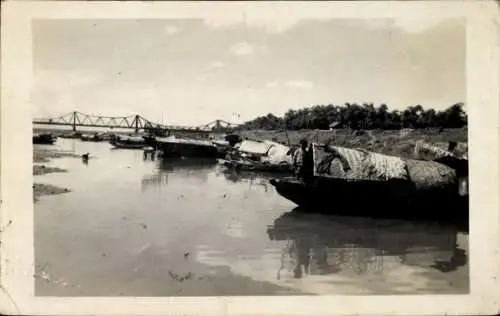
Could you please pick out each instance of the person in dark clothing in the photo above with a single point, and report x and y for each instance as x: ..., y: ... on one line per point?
x: 303, y: 162
x: 452, y: 146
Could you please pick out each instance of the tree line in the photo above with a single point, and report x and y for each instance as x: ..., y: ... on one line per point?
x: 358, y: 117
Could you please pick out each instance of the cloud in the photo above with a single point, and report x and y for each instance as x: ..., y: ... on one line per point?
x: 223, y: 21
x: 210, y: 70
x: 170, y: 29
x: 56, y: 80
x: 272, y: 24
x: 216, y: 64
x: 272, y: 84
x: 407, y: 24
x: 242, y: 49
x: 275, y: 26
x: 418, y: 25
x: 303, y: 84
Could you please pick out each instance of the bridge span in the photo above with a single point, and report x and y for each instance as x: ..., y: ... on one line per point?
x: 135, y: 122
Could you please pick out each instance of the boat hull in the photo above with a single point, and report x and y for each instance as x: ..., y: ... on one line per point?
x: 85, y: 138
x: 174, y: 149
x: 124, y: 145
x: 45, y: 139
x: 237, y: 165
x: 389, y: 199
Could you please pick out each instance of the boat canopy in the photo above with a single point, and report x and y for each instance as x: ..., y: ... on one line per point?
x: 137, y: 139
x: 277, y: 153
x: 220, y: 142
x: 254, y: 147
x: 440, y: 149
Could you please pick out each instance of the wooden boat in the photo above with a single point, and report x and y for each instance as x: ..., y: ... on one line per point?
x: 44, y: 138
x: 71, y: 135
x: 91, y: 138
x: 263, y: 156
x: 247, y: 165
x: 223, y: 147
x: 452, y: 154
x: 128, y: 142
x: 189, y: 148
x: 408, y: 189
x: 393, y: 199
x: 246, y: 175
x: 124, y: 145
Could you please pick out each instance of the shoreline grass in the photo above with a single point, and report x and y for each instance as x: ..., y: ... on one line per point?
x: 390, y: 142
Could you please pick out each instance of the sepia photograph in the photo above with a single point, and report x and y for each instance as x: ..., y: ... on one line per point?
x: 244, y: 155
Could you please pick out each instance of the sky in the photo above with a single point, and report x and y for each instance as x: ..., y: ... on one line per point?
x: 193, y: 71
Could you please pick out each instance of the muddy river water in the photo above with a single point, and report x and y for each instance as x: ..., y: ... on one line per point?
x: 136, y: 227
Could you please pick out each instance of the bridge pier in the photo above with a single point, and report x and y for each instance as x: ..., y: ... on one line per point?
x: 74, y: 121
x: 137, y: 124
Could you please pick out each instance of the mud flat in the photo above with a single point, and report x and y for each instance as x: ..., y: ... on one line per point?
x: 42, y: 169
x: 40, y: 189
x: 45, y: 155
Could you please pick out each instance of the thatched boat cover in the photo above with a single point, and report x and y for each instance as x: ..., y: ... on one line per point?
x: 355, y: 164
x: 439, y: 150
x: 430, y: 174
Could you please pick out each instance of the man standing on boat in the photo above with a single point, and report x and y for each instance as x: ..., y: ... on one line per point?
x: 303, y: 161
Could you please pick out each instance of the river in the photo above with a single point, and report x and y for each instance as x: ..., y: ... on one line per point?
x: 135, y: 227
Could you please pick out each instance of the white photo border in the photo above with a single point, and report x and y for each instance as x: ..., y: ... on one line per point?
x: 16, y: 221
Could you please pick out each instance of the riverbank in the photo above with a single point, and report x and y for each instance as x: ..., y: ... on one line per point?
x: 45, y: 155
x: 41, y: 189
x: 390, y: 142
x: 43, y: 169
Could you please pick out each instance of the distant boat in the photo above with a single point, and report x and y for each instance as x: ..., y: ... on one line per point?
x: 91, y: 138
x: 222, y: 146
x: 128, y: 142
x: 248, y: 165
x: 71, y: 135
x: 124, y: 145
x: 188, y: 148
x: 266, y: 156
x: 44, y: 138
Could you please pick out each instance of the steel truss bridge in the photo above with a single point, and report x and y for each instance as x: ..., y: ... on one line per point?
x: 135, y: 122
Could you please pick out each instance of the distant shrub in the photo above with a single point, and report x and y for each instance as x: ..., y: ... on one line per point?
x: 361, y: 117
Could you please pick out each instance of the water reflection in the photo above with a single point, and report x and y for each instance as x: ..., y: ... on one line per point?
x: 319, y: 244
x: 126, y: 239
x: 250, y: 177
x: 154, y: 180
x: 238, y: 176
x: 186, y: 164
x: 190, y: 168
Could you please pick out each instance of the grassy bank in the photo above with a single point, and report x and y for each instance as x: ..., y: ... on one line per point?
x: 391, y: 142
